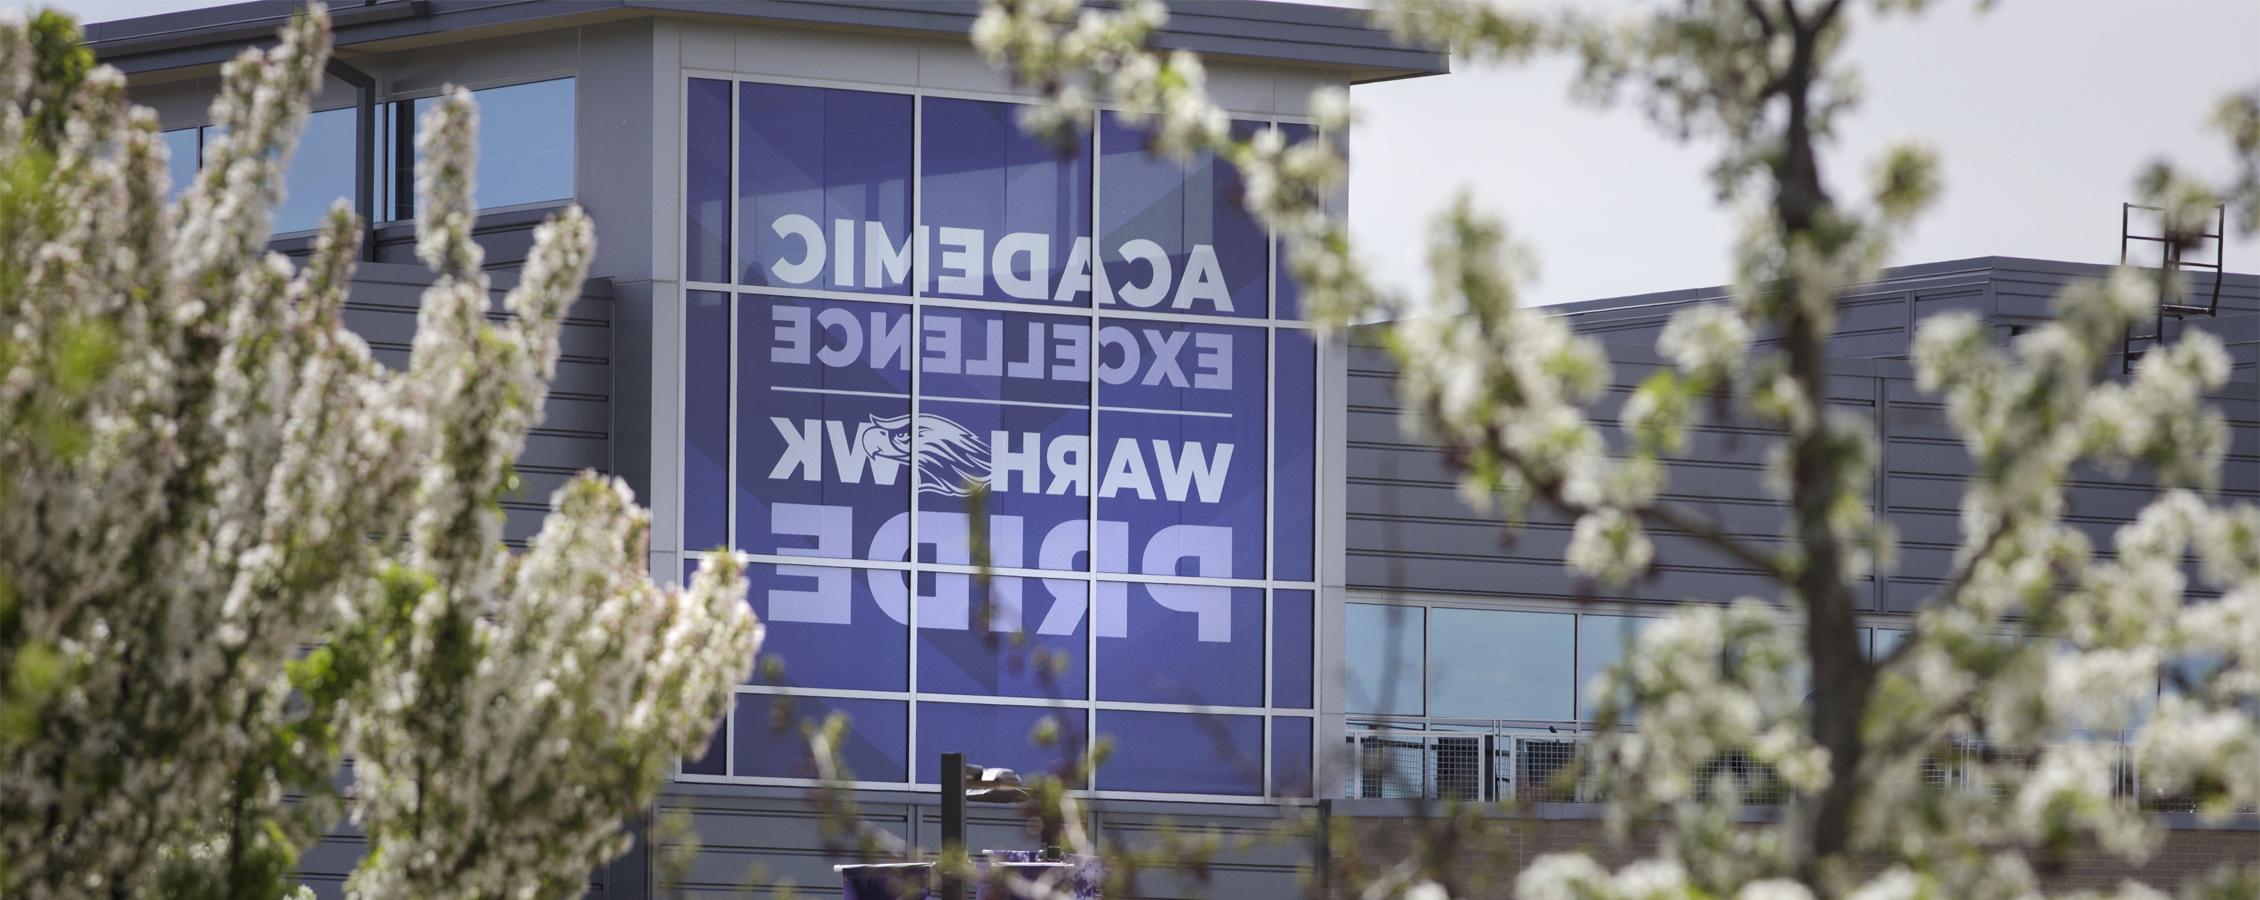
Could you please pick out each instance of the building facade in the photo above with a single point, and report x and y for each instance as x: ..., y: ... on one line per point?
x: 1505, y: 635
x: 824, y: 238
x: 824, y: 241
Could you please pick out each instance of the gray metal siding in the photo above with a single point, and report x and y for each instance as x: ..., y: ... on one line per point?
x: 575, y: 431
x: 573, y: 435
x: 1409, y: 529
x: 326, y: 866
x: 1925, y: 467
x: 1876, y: 320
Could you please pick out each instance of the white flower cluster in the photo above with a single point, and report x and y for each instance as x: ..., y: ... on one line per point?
x: 234, y: 544
x: 534, y: 699
x: 1479, y: 371
x: 1718, y: 693
x: 2036, y: 647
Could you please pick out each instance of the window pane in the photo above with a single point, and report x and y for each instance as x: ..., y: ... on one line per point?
x: 181, y: 150
x: 395, y: 157
x: 1291, y: 636
x: 1887, y: 640
x: 706, y: 176
x: 1182, y: 753
x: 831, y: 627
x: 769, y: 742
x: 1290, y: 302
x: 1295, y: 500
x: 1601, y: 641
x: 824, y: 430
x: 1491, y: 664
x: 1289, y: 293
x: 1383, y: 649
x: 706, y: 419
x: 1290, y: 756
x: 1180, y: 643
x: 1008, y: 209
x: 320, y: 174
x: 998, y: 736
x: 978, y: 354
x: 813, y: 162
x: 525, y: 143
x: 1007, y: 406
x: 1032, y: 644
x: 1181, y: 448
x: 716, y: 759
x: 1029, y: 460
x: 1174, y: 235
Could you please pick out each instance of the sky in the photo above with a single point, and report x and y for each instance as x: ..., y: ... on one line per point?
x: 2041, y: 111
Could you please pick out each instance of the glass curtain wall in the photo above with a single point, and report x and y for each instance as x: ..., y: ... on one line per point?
x: 1015, y: 439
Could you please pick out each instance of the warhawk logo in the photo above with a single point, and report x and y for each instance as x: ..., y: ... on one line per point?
x: 952, y: 461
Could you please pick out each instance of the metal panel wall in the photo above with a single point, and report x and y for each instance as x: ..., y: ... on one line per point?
x: 1410, y: 530
x: 574, y: 433
x: 1876, y: 320
x: 572, y: 436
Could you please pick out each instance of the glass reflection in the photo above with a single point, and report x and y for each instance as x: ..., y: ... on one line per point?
x: 1497, y: 664
x: 1601, y: 642
x: 1383, y: 649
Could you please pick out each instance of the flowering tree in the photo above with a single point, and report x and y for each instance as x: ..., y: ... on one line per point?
x: 2034, y: 640
x: 236, y: 550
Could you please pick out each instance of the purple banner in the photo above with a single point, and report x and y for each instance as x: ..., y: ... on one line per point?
x: 1065, y: 347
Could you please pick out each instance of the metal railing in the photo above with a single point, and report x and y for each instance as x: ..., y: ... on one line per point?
x: 1431, y: 765
x: 1435, y: 765
x: 1536, y: 768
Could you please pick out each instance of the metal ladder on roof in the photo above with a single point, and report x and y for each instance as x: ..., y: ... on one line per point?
x: 2172, y: 302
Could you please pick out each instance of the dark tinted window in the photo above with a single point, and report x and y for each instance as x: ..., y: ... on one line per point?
x: 1601, y: 643
x: 1500, y: 664
x: 181, y: 149
x: 1384, y: 652
x: 525, y: 154
x: 525, y: 143
x: 320, y: 173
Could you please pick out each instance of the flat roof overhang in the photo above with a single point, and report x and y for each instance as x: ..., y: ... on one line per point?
x: 1259, y: 30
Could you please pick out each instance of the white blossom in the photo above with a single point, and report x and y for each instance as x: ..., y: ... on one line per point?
x: 1707, y: 340
x: 235, y: 545
x: 1610, y: 546
x: 1774, y: 889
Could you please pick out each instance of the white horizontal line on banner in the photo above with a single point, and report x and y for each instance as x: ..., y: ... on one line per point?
x: 994, y: 401
x: 1166, y: 412
x: 843, y: 392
